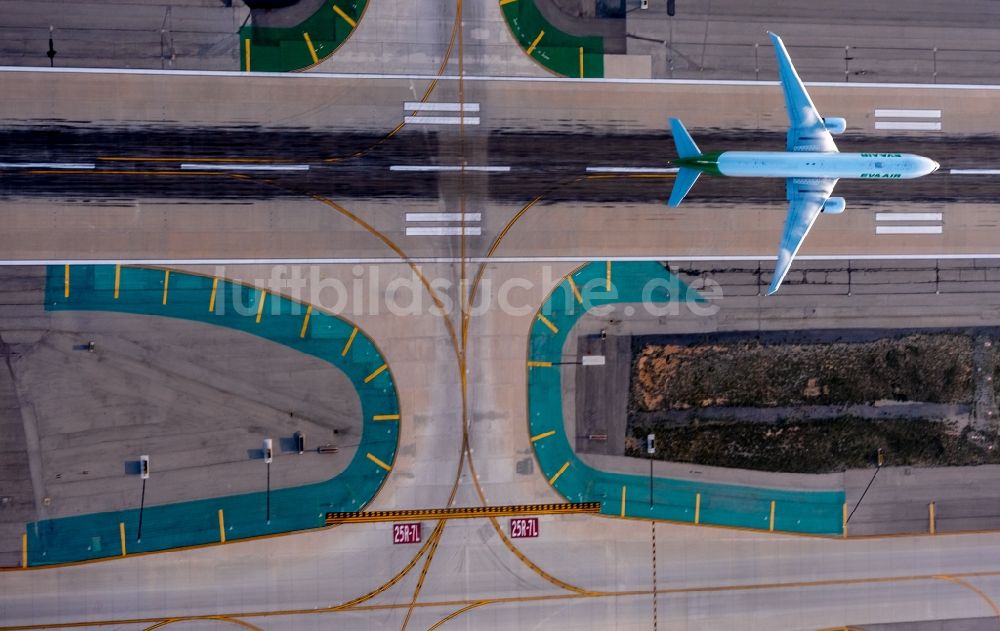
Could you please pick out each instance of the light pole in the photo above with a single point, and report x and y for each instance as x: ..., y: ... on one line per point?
x: 268, y: 456
x: 651, y: 449
x: 144, y: 474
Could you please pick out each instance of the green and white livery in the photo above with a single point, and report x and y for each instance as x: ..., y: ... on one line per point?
x: 811, y: 164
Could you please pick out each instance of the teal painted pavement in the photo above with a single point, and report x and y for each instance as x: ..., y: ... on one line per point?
x: 818, y: 512
x: 91, y: 287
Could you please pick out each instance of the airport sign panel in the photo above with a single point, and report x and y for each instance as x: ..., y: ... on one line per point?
x: 406, y: 533
x: 523, y: 527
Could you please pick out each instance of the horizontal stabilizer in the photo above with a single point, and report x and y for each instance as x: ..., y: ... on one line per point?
x: 682, y: 140
x: 682, y: 184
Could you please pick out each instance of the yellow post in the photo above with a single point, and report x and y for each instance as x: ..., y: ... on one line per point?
x: 770, y: 526
x: 247, y: 43
x: 24, y: 550
x: 933, y: 520
x: 66, y: 281
x: 697, y: 508
x: 121, y: 531
x: 623, y: 501
x: 581, y: 62
x: 166, y: 284
x: 118, y: 279
x: 844, y: 520
x: 222, y: 527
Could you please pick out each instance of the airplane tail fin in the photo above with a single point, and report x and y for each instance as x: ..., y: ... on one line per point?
x: 682, y: 184
x: 682, y: 140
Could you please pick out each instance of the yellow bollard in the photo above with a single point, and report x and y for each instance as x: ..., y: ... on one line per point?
x: 24, y: 550
x: 844, y: 520
x: 933, y: 518
x: 222, y: 527
x: 771, y: 525
x: 121, y: 531
x: 697, y: 508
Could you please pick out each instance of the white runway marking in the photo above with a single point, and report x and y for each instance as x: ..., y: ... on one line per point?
x: 243, y: 167
x: 45, y: 165
x: 631, y: 170
x: 441, y: 120
x: 914, y: 126
x: 975, y: 171
x: 416, y: 106
x: 908, y: 229
x: 686, y: 258
x: 325, y: 76
x: 908, y: 216
x: 448, y: 168
x: 443, y: 216
x: 908, y: 113
x: 473, y: 231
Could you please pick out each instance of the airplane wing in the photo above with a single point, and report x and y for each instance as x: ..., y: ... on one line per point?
x: 806, y: 131
x: 806, y: 197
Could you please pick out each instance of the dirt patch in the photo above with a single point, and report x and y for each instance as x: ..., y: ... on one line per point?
x: 819, y: 446
x: 931, y: 368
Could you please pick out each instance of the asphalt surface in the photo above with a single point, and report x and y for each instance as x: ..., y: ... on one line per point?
x: 461, y: 382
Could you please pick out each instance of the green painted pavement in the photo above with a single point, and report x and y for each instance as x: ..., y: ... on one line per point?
x: 287, y: 49
x: 141, y: 291
x: 817, y: 512
x: 556, y: 50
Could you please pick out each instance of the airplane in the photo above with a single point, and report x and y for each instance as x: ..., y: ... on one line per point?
x: 811, y: 164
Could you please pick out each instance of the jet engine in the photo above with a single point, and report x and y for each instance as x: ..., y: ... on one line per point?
x: 834, y: 205
x: 835, y: 125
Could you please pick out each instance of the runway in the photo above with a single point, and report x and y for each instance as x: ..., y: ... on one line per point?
x: 463, y: 438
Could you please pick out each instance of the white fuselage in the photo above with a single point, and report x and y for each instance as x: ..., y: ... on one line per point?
x: 804, y: 164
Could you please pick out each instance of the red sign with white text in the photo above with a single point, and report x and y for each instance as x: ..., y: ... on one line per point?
x: 406, y: 533
x: 523, y: 527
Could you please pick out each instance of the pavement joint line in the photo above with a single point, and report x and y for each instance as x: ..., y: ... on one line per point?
x: 350, y: 340
x: 299, y: 76
x: 346, y: 17
x: 312, y: 49
x: 305, y: 322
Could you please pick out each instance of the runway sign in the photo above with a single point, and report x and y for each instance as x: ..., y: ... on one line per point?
x: 406, y: 533
x: 523, y: 527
